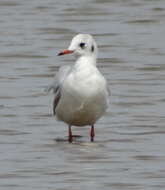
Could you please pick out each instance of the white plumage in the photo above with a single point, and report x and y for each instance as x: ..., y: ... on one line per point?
x: 81, y: 92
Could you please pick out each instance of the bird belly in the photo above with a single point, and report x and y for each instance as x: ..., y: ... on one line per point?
x: 83, y: 102
x: 73, y: 115
x: 80, y: 111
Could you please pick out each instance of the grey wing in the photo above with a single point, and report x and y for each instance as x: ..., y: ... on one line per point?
x: 108, y: 90
x: 57, y: 84
x: 58, y: 79
x: 56, y: 100
x: 108, y: 93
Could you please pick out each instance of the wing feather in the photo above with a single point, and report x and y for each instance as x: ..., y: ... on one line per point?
x: 57, y: 84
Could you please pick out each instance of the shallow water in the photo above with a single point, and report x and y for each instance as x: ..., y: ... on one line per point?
x: 129, y: 149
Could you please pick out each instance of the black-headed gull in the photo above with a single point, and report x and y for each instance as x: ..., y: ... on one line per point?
x: 81, y: 91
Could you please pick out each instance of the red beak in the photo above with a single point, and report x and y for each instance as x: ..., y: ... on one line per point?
x: 65, y: 52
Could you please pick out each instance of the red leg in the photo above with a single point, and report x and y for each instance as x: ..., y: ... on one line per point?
x: 70, y: 134
x: 92, y: 133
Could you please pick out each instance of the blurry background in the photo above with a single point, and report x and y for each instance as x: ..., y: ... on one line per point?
x: 129, y: 149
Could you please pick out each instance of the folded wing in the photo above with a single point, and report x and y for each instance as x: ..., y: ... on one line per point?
x: 57, y: 84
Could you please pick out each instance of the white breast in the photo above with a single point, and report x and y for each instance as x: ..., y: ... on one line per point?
x: 83, y: 97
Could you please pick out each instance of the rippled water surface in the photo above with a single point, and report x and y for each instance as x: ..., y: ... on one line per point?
x: 129, y: 149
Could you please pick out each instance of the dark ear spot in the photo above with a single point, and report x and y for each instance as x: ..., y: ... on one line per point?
x: 92, y: 48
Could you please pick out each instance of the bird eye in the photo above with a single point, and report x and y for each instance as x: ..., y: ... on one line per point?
x: 82, y: 45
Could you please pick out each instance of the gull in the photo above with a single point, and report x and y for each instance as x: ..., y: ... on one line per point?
x: 81, y: 91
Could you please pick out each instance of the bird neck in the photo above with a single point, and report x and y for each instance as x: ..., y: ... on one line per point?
x: 86, y: 61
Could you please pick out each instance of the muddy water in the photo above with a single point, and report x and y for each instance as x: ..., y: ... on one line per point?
x: 129, y: 149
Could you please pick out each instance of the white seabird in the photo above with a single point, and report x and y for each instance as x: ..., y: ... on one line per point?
x: 81, y: 91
